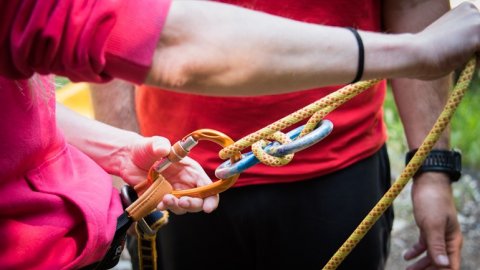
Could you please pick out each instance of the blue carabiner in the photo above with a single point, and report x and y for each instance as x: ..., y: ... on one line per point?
x: 227, y: 169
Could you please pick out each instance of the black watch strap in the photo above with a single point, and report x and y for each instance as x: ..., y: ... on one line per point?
x: 449, y: 162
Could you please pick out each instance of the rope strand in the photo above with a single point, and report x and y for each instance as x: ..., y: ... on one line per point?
x: 320, y: 108
x: 411, y: 168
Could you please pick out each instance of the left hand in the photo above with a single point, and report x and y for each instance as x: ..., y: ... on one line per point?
x: 187, y: 173
x: 440, y: 239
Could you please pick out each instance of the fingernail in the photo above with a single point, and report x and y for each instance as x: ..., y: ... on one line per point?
x: 443, y: 260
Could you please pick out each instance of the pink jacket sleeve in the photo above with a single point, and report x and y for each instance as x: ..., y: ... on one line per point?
x: 85, y: 40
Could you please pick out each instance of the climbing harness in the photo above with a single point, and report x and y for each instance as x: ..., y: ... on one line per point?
x: 279, y: 153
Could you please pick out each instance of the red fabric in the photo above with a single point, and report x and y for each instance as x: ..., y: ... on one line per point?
x: 88, y: 40
x: 359, y: 130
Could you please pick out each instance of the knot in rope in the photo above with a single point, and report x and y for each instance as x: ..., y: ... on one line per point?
x: 270, y: 160
x: 316, y: 111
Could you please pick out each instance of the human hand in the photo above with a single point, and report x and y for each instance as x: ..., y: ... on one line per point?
x: 440, y: 239
x: 186, y: 173
x: 440, y: 53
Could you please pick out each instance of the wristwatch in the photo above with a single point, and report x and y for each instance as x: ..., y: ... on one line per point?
x: 446, y: 161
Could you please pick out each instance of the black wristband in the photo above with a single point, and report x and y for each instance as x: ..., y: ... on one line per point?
x: 449, y: 162
x: 361, y: 55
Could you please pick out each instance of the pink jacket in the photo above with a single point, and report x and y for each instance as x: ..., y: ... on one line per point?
x: 58, y: 208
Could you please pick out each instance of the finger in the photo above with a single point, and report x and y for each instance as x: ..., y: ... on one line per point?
x: 202, y: 179
x: 421, y: 264
x: 415, y: 250
x: 211, y: 203
x: 170, y: 202
x: 454, y: 251
x: 436, y: 246
x: 160, y: 146
x: 149, y: 150
x: 190, y: 204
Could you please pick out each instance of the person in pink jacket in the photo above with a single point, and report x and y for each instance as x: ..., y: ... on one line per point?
x: 58, y: 207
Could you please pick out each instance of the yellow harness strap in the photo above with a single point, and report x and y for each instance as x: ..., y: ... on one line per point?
x: 146, y: 243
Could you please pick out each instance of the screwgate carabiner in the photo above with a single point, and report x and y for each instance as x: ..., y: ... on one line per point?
x: 180, y: 150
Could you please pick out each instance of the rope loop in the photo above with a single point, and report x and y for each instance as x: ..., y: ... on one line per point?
x: 267, y: 159
x: 316, y: 111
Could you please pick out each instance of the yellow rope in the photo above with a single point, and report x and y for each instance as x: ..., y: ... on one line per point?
x: 259, y: 152
x: 317, y: 110
x: 417, y: 160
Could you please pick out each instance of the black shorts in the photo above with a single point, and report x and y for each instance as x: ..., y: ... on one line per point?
x: 285, y: 226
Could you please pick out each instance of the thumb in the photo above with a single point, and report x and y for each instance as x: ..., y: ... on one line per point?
x: 160, y: 147
x: 436, y: 246
x: 149, y: 150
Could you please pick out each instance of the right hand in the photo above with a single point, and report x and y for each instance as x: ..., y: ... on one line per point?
x: 187, y: 173
x: 439, y: 54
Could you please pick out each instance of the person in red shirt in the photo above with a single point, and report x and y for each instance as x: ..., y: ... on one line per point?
x: 296, y: 216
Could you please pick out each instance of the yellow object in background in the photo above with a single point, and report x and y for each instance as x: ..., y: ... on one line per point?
x: 76, y: 96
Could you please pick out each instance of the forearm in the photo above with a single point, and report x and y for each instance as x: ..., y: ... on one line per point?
x: 211, y: 53
x: 265, y: 54
x: 103, y: 143
x: 216, y: 49
x: 114, y: 104
x: 419, y: 102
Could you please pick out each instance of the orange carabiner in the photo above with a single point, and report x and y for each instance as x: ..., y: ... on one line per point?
x: 180, y: 150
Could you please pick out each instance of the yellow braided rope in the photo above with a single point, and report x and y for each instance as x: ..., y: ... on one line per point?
x: 318, y: 109
x: 417, y: 160
x: 259, y: 152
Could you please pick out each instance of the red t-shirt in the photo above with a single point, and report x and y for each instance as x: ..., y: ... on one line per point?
x: 358, y: 132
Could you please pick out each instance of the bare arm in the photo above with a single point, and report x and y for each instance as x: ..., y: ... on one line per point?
x: 114, y: 104
x: 216, y: 49
x: 419, y: 104
x: 128, y: 155
x: 210, y: 53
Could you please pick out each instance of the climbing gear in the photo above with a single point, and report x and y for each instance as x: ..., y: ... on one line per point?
x: 155, y: 187
x: 146, y: 238
x: 275, y: 149
x: 316, y: 111
x: 141, y: 209
x: 147, y: 228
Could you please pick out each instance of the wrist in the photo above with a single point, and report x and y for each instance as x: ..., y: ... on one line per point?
x: 448, y: 162
x: 113, y: 154
x: 389, y: 56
